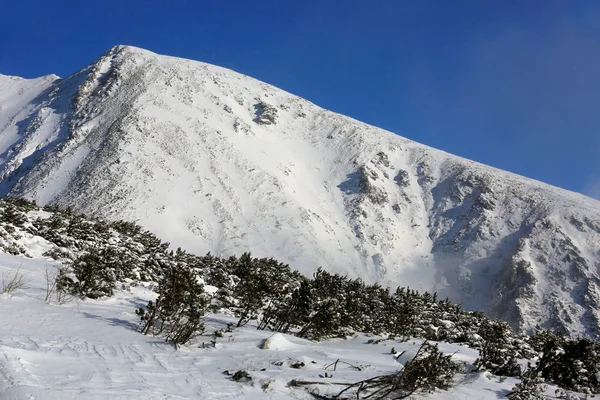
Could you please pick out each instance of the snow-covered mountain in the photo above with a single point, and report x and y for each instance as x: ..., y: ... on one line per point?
x: 212, y: 160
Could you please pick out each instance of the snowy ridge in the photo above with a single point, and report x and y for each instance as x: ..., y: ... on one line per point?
x: 212, y: 160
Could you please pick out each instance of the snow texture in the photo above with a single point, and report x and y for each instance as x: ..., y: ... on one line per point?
x: 212, y: 160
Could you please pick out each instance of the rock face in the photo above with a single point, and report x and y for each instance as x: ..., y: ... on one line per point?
x: 212, y: 160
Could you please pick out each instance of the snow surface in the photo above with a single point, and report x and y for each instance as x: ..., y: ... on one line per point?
x: 176, y: 145
x: 91, y: 350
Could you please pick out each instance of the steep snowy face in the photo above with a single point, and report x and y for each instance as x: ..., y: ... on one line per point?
x: 212, y: 160
x: 26, y: 124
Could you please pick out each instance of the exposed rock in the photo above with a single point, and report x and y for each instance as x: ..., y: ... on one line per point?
x: 266, y: 114
x: 402, y: 178
x: 367, y: 178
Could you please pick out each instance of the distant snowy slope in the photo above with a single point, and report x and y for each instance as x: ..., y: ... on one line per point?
x: 21, y: 115
x: 212, y: 160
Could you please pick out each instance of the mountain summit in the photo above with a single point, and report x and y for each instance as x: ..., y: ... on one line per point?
x: 212, y: 160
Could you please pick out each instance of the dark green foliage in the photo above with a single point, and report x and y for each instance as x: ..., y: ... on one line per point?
x: 11, y: 214
x: 407, y: 310
x: 497, y: 355
x: 333, y: 305
x: 570, y: 363
x: 92, y: 275
x: 22, y: 204
x: 178, y: 311
x: 429, y: 370
x: 327, y: 312
x: 294, y: 310
x: 127, y: 228
x: 530, y: 388
x: 252, y: 287
x: 63, y: 286
x: 241, y: 376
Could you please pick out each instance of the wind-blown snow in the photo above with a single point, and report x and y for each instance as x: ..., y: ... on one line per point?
x: 192, y: 152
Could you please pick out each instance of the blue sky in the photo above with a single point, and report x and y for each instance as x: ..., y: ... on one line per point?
x: 513, y: 84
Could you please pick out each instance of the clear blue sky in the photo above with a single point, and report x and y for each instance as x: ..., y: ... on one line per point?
x: 513, y: 84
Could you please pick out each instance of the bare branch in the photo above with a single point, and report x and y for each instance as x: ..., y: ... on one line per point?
x: 50, y: 275
x: 14, y: 280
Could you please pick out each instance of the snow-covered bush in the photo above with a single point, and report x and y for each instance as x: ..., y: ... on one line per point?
x: 260, y: 283
x: 178, y: 311
x: 92, y: 275
x: 531, y: 387
x: 498, y: 354
x: 11, y: 214
x: 569, y: 363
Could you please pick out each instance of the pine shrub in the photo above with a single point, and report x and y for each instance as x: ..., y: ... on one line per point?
x: 572, y: 364
x: 91, y: 275
x: 497, y: 354
x: 531, y: 387
x: 177, y: 313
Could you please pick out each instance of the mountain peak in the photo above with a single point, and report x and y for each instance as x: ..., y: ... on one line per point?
x: 212, y: 160
x: 123, y: 48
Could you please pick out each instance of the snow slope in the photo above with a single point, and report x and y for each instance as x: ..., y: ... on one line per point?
x: 91, y: 350
x: 212, y: 160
